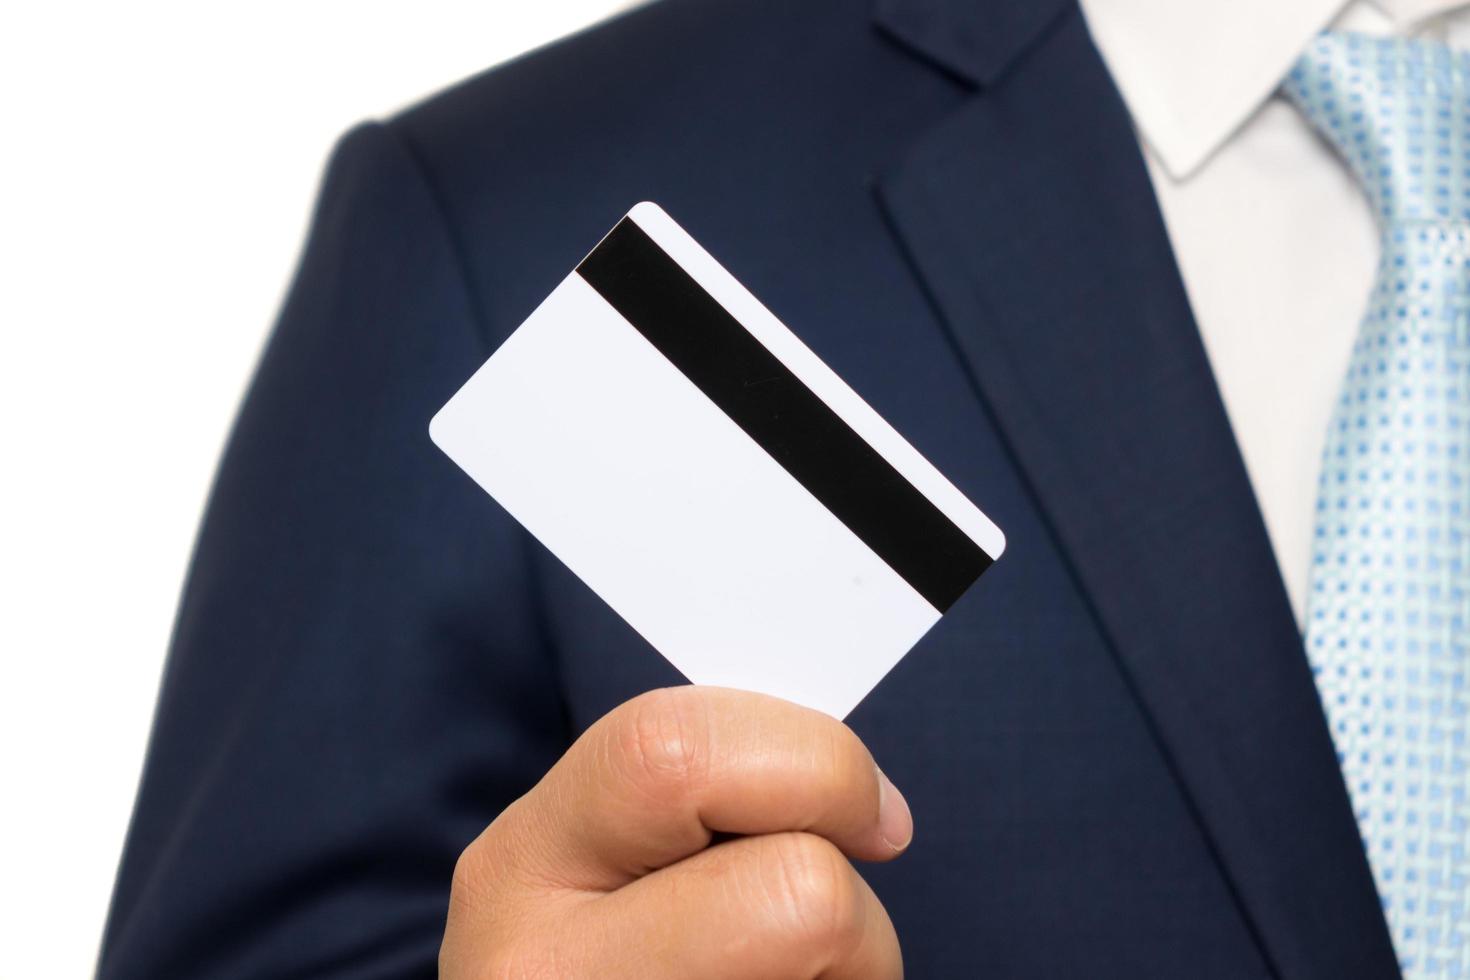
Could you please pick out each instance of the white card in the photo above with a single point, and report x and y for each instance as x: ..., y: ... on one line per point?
x: 672, y: 442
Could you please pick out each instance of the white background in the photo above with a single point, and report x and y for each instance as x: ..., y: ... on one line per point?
x: 157, y: 166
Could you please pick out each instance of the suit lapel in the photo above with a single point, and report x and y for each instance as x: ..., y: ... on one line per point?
x: 1030, y: 219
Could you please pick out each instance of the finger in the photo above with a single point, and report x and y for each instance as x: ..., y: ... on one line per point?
x: 648, y: 784
x: 778, y: 906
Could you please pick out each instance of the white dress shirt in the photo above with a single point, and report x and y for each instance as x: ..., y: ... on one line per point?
x: 1273, y: 236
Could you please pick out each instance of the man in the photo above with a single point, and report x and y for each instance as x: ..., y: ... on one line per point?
x: 1114, y: 749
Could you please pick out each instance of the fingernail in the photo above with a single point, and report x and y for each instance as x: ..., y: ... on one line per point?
x: 895, y: 822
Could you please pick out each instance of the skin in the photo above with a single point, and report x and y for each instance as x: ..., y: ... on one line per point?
x: 610, y: 866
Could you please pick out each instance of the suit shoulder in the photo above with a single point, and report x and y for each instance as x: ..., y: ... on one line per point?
x: 663, y: 57
x: 706, y: 106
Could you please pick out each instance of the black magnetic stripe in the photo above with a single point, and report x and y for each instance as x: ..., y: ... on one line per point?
x: 773, y: 406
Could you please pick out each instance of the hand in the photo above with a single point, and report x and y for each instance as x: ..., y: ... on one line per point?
x: 607, y: 869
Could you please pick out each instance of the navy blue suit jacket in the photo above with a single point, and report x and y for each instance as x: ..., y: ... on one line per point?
x: 1113, y: 746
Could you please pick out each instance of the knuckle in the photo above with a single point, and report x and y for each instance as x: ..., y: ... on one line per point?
x: 468, y: 878
x: 526, y: 963
x: 663, y: 741
x: 811, y: 892
x: 505, y: 961
x: 486, y: 940
x: 478, y: 884
x: 472, y: 906
x: 497, y: 929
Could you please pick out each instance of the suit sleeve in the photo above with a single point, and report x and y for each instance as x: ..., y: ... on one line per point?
x: 359, y: 679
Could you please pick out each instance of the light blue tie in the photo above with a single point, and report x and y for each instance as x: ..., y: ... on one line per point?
x: 1390, y: 598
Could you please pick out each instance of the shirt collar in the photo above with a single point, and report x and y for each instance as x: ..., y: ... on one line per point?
x: 1193, y: 72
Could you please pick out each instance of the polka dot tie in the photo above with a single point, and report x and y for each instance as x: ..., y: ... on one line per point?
x: 1390, y: 589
